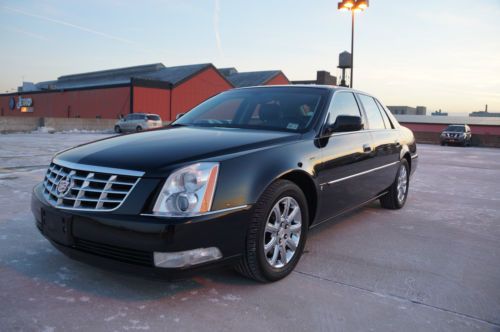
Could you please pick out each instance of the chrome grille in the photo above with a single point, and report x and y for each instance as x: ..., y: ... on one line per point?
x: 86, y: 188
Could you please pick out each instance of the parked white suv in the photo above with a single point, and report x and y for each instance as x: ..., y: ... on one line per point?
x: 138, y: 122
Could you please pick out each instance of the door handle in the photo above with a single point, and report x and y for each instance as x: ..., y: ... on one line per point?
x: 367, y: 148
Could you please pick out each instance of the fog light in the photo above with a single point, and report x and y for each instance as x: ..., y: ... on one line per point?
x: 186, y: 258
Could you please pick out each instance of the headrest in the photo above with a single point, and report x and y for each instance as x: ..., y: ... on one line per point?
x: 270, y: 112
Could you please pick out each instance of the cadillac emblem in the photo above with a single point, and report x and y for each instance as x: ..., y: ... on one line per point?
x: 64, y: 186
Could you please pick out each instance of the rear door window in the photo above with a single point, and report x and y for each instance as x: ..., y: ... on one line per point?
x: 375, y: 119
x: 153, y: 117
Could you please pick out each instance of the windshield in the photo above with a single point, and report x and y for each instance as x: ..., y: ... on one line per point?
x: 456, y: 129
x: 289, y: 109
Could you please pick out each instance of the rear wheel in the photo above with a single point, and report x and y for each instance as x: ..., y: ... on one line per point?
x: 398, y: 191
x: 276, y: 234
x: 118, y: 129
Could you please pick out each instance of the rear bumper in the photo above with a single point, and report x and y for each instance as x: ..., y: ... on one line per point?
x: 127, y: 242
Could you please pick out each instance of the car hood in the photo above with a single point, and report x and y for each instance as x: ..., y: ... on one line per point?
x: 152, y: 151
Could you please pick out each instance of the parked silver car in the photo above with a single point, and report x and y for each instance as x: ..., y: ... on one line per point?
x: 138, y: 122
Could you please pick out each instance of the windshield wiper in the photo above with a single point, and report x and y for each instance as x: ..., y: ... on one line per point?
x: 178, y: 125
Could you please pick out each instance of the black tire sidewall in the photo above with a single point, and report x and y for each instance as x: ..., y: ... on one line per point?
x: 270, y: 273
x: 118, y: 129
x: 138, y: 128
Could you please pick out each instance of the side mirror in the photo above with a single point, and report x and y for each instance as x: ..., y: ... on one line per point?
x: 179, y: 115
x: 345, y: 123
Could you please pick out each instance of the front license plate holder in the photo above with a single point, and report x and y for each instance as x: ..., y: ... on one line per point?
x: 57, y: 227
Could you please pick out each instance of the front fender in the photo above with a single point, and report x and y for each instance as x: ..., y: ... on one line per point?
x: 243, y: 179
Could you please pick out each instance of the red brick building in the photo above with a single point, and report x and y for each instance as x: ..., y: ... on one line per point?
x: 153, y: 88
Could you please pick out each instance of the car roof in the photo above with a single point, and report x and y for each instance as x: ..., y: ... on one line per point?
x: 311, y: 86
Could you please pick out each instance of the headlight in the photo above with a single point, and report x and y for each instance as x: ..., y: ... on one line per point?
x: 188, y: 191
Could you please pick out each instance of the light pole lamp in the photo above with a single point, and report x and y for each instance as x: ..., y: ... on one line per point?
x: 353, y: 6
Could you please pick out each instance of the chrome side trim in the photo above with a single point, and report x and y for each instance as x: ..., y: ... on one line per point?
x: 231, y: 209
x: 359, y: 174
x: 414, y: 156
x: 97, y: 169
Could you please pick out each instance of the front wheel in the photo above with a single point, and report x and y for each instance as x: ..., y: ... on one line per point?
x: 398, y: 191
x: 118, y: 129
x: 138, y: 129
x: 277, y: 233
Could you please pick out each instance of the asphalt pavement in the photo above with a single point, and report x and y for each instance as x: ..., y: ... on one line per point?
x: 434, y: 265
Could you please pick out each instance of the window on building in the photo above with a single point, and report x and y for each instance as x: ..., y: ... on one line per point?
x: 375, y: 120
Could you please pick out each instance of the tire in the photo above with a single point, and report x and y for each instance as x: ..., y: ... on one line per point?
x: 118, y: 129
x: 442, y: 143
x: 392, y: 200
x: 138, y: 129
x: 256, y: 263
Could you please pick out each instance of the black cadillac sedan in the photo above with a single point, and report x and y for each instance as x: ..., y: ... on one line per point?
x: 238, y: 180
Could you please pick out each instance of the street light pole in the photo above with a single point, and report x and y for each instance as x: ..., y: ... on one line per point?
x: 352, y: 50
x: 353, y: 6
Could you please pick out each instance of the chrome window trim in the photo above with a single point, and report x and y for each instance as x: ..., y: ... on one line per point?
x: 359, y: 174
x: 320, y: 136
x: 414, y: 156
x: 97, y: 169
x: 231, y: 209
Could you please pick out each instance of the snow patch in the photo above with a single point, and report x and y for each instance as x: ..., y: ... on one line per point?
x: 136, y: 326
x: 44, y: 130
x: 66, y: 299
x: 110, y: 318
x: 231, y: 297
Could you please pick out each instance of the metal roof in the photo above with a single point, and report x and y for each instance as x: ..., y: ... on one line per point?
x: 176, y: 74
x: 404, y: 118
x: 156, y: 71
x: 251, y: 78
x: 127, y: 71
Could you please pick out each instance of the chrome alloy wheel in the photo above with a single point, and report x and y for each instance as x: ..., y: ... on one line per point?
x: 402, y: 184
x: 282, y: 232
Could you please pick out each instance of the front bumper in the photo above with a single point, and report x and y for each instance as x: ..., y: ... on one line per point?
x: 127, y: 242
x: 460, y: 139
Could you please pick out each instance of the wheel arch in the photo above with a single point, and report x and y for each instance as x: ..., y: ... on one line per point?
x: 304, y: 181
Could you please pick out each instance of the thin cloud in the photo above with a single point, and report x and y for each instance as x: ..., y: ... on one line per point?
x: 71, y: 25
x: 216, y: 27
x: 27, y: 33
